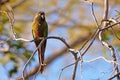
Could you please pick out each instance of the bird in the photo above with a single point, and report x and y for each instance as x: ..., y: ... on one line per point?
x: 40, y: 29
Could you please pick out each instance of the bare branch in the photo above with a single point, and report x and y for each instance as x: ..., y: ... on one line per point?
x: 73, y: 77
x: 111, y: 78
x: 106, y: 9
x: 106, y: 44
x: 109, y: 26
x: 101, y: 57
x: 93, y: 39
x: 94, y: 16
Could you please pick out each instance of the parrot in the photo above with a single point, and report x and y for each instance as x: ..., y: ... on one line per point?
x: 40, y: 29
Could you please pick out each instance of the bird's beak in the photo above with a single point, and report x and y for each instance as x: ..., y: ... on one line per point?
x: 42, y: 16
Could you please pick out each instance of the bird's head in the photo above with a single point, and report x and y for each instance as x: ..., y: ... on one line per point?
x: 40, y: 16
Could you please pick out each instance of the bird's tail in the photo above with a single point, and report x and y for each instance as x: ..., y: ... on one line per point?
x: 41, y: 59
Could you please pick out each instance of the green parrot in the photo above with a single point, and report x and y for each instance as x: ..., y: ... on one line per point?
x: 40, y: 29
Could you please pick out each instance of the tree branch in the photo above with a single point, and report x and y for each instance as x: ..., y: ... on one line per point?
x: 106, y: 44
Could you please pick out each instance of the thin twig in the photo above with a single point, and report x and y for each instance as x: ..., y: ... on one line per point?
x: 67, y: 67
x: 28, y: 61
x: 101, y: 57
x: 106, y: 9
x: 75, y: 68
x: 109, y: 26
x: 96, y: 32
x: 93, y: 39
x: 94, y: 16
x: 115, y: 34
x: 111, y: 78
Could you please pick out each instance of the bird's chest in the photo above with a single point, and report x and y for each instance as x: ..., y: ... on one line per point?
x: 39, y: 31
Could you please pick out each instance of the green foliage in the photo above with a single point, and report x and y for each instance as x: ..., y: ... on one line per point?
x: 13, y: 71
